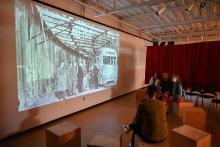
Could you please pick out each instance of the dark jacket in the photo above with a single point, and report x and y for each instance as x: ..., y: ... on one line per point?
x: 177, y: 90
x: 166, y: 86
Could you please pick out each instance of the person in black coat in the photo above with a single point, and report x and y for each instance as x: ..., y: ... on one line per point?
x: 166, y: 84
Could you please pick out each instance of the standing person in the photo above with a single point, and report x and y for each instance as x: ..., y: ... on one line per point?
x: 155, y: 80
x: 74, y: 76
x: 150, y: 121
x: 61, y: 81
x: 70, y: 81
x: 80, y: 77
x: 86, y: 76
x: 96, y: 76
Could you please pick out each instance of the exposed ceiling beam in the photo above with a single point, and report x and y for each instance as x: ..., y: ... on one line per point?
x: 119, y: 20
x: 136, y: 5
x: 181, y: 23
x: 139, y: 15
x: 190, y: 34
x: 183, y: 8
x: 169, y: 9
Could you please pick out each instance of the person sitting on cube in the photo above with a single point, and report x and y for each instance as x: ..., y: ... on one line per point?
x: 150, y: 121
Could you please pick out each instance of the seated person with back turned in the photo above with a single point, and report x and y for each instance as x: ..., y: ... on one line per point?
x: 150, y: 121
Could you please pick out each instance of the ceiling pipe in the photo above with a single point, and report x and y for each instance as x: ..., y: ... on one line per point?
x: 119, y: 20
x: 189, y: 8
x: 161, y: 11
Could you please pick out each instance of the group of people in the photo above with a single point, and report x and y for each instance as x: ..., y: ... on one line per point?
x: 168, y: 87
x: 150, y: 122
x: 80, y: 78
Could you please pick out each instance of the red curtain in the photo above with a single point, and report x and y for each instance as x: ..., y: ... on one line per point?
x: 197, y: 64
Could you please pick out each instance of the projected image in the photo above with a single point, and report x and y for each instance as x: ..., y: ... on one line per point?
x: 61, y: 56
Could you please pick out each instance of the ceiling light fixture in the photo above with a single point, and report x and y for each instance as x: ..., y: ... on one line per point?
x: 203, y: 4
x: 159, y: 12
x: 189, y: 9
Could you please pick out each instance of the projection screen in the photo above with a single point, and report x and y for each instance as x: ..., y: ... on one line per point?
x: 61, y: 56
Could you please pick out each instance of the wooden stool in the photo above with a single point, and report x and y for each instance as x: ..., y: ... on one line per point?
x: 140, y: 143
x: 65, y: 134
x: 179, y: 107
x: 195, y: 116
x: 187, y: 136
x: 140, y: 94
x: 101, y: 140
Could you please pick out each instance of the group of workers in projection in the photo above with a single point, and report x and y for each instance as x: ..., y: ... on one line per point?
x: 75, y: 78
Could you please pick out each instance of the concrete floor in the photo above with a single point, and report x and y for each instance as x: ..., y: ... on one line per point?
x: 107, y: 118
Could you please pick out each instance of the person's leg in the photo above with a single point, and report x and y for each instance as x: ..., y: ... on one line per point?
x: 132, y: 139
x: 132, y: 126
x: 136, y: 131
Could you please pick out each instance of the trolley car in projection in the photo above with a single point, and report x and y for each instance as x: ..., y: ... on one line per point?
x: 107, y: 61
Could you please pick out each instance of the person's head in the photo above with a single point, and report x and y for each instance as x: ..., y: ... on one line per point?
x: 165, y: 76
x: 176, y: 79
x: 156, y: 75
x: 151, y: 92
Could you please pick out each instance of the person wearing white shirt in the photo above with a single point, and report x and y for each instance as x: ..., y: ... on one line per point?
x: 155, y: 80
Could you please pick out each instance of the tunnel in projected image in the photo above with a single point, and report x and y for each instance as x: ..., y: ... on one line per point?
x: 61, y: 56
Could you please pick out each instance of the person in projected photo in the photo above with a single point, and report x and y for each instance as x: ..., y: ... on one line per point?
x: 80, y: 76
x: 61, y: 81
x: 70, y: 80
x: 96, y: 76
x: 86, y: 76
x: 150, y: 120
x: 74, y: 77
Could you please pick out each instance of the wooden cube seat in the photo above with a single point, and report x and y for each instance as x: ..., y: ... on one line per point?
x: 187, y: 136
x: 179, y: 107
x: 195, y: 116
x: 65, y: 134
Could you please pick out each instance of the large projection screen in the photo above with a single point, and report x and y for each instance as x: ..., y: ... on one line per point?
x: 60, y: 56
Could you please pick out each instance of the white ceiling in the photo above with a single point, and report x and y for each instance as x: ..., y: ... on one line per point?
x: 166, y: 20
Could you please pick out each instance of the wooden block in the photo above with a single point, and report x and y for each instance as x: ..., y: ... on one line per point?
x: 187, y: 136
x: 102, y: 140
x: 140, y: 143
x: 140, y: 94
x: 179, y: 107
x: 195, y: 116
x: 65, y: 134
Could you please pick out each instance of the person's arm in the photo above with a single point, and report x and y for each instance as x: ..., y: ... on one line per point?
x: 138, y: 116
x: 151, y: 81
